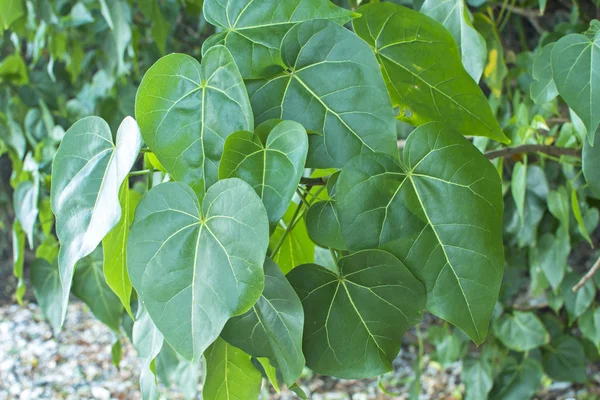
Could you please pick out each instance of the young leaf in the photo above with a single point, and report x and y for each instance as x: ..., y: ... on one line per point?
x: 517, y: 381
x: 411, y: 47
x: 273, y: 327
x: 148, y: 342
x: 196, y: 265
x: 90, y: 286
x: 46, y: 287
x: 253, y: 30
x: 114, y: 246
x: 187, y: 110
x: 229, y: 373
x: 521, y: 331
x: 440, y: 213
x: 543, y: 89
x: 455, y: 16
x: 355, y: 319
x: 322, y: 58
x: 564, y: 360
x: 296, y: 248
x: 323, y: 225
x: 271, y: 160
x: 87, y: 172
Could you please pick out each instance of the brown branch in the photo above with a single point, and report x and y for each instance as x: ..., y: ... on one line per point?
x: 587, y: 276
x: 534, y: 148
x: 314, y: 181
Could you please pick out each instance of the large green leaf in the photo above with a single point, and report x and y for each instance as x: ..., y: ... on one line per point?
x: 46, y: 287
x: 440, y: 213
x: 87, y: 172
x: 253, y: 29
x: 517, y: 381
x: 564, y: 360
x: 332, y: 86
x: 543, y: 89
x: 521, y: 331
x: 196, y: 265
x: 229, y: 374
x: 455, y: 16
x: 576, y: 72
x: 273, y: 327
x: 271, y: 160
x: 423, y: 71
x: 115, y: 247
x: 187, y: 110
x: 90, y: 286
x: 355, y: 319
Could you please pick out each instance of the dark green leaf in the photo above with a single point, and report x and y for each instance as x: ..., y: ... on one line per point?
x: 160, y: 26
x: 518, y: 186
x: 517, y: 381
x: 521, y: 331
x: 478, y: 378
x: 440, y: 213
x: 323, y: 225
x: 550, y: 255
x: 543, y: 89
x: 589, y: 323
x: 355, y: 319
x: 591, y: 165
x: 18, y: 248
x: 564, y: 360
x: 46, y: 287
x: 578, y: 302
x: 196, y: 265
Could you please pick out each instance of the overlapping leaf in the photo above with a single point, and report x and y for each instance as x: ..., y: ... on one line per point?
x: 332, y: 86
x: 253, y: 29
x: 295, y: 247
x: 187, y: 110
x: 87, y: 173
x: 271, y: 160
x: 46, y: 287
x: 543, y: 89
x: 273, y: 327
x: 440, y: 213
x: 195, y: 266
x: 148, y: 342
x: 323, y: 225
x: 355, y: 319
x: 423, y: 70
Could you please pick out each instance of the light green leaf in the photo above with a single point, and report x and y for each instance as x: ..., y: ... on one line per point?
x: 591, y: 165
x: 517, y: 381
x: 478, y: 378
x: 25, y: 199
x: 543, y: 89
x: 271, y: 160
x: 589, y: 324
x: 495, y: 70
x: 440, y: 213
x: 578, y: 302
x: 551, y: 254
x: 46, y: 288
x: 89, y: 285
x: 270, y: 372
x: 10, y: 11
x: 87, y: 172
x: 18, y: 246
x: 196, y: 265
x: 114, y: 246
x: 148, y: 342
x: 559, y: 206
x: 521, y: 331
x: 187, y: 110
x: 564, y: 360
x: 253, y: 29
x: 355, y: 318
x: 579, y: 217
x: 518, y: 187
x: 411, y: 47
x: 272, y: 328
x: 229, y: 374
x: 296, y: 248
x: 323, y: 225
x: 13, y: 70
x: 455, y: 16
x: 576, y: 72
x: 322, y: 58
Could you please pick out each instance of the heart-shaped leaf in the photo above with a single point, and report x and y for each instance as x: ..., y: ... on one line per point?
x: 187, y: 110
x: 423, y: 70
x: 521, y: 331
x: 253, y: 29
x: 273, y: 327
x: 440, y: 213
x: 87, y: 173
x: 270, y: 160
x: 323, y: 225
x: 321, y: 58
x: 355, y: 319
x: 195, y: 266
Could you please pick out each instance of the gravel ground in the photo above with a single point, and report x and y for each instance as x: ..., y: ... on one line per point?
x: 77, y: 365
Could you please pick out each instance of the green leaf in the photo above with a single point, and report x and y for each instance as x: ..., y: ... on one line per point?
x: 323, y: 225
x: 253, y: 30
x: 543, y: 89
x: 148, y: 342
x: 411, y: 47
x: 440, y: 213
x: 551, y: 254
x: 272, y: 328
x: 517, y: 381
x: 578, y: 302
x: 90, y: 286
x: 46, y: 288
x: 559, y: 206
x: 455, y: 16
x: 18, y: 247
x: 87, y: 172
x: 478, y: 378
x: 355, y: 319
x: 564, y: 360
x: 10, y: 11
x: 25, y: 199
x: 229, y: 374
x: 271, y: 160
x: 591, y: 165
x: 114, y: 246
x: 160, y: 26
x: 521, y: 331
x: 575, y: 68
x: 196, y: 265
x: 187, y: 110
x: 116, y: 352
x: 495, y: 70
x: 589, y: 324
x: 120, y: 35
x: 296, y: 248
x: 518, y: 187
x: 321, y: 59
x: 13, y: 70
x: 579, y: 217
x: 450, y: 345
x: 270, y: 372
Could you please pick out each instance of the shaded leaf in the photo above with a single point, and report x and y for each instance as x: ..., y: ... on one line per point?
x: 589, y: 323
x: 578, y: 302
x: 478, y: 378
x: 543, y: 89
x: 517, y: 381
x: 18, y: 249
x: 564, y: 360
x: 591, y: 165
x: 46, y: 287
x: 323, y: 225
x: 148, y: 342
x: 495, y: 70
x: 551, y: 254
x: 296, y: 248
x: 518, y: 186
x: 10, y: 11
x: 521, y: 331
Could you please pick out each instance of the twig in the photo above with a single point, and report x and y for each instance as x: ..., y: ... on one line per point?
x: 534, y: 148
x: 587, y: 276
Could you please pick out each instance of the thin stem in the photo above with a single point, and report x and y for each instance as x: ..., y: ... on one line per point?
x: 333, y: 255
x: 141, y: 172
x: 534, y: 148
x: 587, y: 276
x: 302, y: 198
x: 288, y: 229
x: 145, y: 150
x: 314, y: 181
